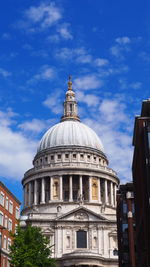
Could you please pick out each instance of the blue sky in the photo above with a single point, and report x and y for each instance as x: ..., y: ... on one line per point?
x: 103, y: 44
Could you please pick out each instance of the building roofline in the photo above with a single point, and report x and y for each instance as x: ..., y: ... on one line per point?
x: 9, y: 192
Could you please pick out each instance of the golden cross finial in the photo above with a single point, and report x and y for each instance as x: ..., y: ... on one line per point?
x: 70, y: 83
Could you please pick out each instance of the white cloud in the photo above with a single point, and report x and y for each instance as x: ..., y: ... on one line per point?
x: 34, y: 125
x: 121, y: 46
x: 101, y: 62
x: 116, y: 51
x: 123, y: 40
x: 84, y: 59
x: 5, y: 73
x: 79, y: 55
x: 17, y: 151
x: 45, y: 73
x: 90, y: 99
x: 136, y: 85
x: 88, y: 82
x: 64, y: 53
x: 64, y: 32
x: 108, y: 109
x: 44, y: 15
x: 54, y: 103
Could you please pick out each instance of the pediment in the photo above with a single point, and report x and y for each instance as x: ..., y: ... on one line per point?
x: 47, y: 231
x: 81, y: 214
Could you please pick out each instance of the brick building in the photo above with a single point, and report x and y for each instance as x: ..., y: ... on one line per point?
x: 9, y: 213
x: 141, y: 180
x: 126, y: 225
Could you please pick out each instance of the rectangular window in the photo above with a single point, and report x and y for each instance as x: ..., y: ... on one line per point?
x: 17, y: 213
x: 81, y: 239
x: 6, y: 222
x: 8, y: 244
x: 11, y: 207
x: 16, y: 228
x: 1, y: 218
x: 52, y: 157
x: 81, y: 156
x: 10, y: 225
x: 5, y: 242
x: 6, y: 203
x: 67, y: 156
x: 125, y: 207
x: 74, y: 156
x: 2, y: 198
x: 59, y: 156
x: 88, y: 157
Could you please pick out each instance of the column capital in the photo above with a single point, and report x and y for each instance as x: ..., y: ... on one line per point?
x: 35, y: 192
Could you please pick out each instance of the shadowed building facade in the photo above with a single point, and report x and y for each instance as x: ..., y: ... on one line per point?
x: 71, y: 193
x: 141, y: 180
x: 126, y: 225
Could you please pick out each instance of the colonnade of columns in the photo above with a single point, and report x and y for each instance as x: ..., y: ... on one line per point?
x: 70, y: 188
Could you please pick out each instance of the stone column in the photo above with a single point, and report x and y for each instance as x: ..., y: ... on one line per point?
x: 61, y: 189
x: 115, y: 193
x: 43, y: 191
x: 29, y: 196
x: 99, y: 191
x: 106, y: 193
x: 35, y: 192
x: 50, y: 193
x: 100, y: 241
x: 90, y: 189
x: 70, y: 189
x: 111, y: 194
x: 80, y: 185
x: 25, y: 195
x: 51, y: 188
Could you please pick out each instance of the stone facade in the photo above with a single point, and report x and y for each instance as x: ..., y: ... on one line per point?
x: 71, y: 194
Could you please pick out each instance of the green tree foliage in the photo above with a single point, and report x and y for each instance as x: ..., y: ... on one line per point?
x: 30, y: 249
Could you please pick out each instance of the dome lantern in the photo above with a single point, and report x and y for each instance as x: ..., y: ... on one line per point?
x: 70, y: 104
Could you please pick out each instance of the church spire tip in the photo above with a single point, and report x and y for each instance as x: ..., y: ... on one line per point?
x: 69, y: 82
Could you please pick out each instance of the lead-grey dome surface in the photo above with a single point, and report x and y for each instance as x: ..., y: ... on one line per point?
x: 70, y: 133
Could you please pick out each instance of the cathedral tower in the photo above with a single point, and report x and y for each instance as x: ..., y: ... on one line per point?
x: 71, y: 192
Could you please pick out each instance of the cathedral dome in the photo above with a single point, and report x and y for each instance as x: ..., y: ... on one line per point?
x: 70, y: 133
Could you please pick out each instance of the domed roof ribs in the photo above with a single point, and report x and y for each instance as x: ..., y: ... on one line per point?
x: 70, y: 104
